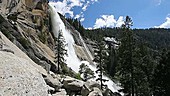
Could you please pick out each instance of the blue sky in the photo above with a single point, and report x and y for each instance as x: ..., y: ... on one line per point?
x: 110, y: 13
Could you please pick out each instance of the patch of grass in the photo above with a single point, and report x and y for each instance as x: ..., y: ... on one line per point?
x: 77, y: 76
x: 67, y: 71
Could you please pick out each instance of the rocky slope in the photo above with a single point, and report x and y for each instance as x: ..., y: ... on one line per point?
x: 26, y: 24
x: 19, y: 77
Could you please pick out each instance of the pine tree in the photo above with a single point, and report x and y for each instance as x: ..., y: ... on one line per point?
x: 125, y: 67
x: 100, y: 54
x: 60, y: 50
x: 135, y: 64
x: 86, y: 72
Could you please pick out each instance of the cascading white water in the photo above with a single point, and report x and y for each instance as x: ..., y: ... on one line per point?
x: 57, y: 24
x: 86, y: 48
x: 72, y: 59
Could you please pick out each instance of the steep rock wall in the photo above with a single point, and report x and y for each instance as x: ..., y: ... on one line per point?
x: 27, y: 24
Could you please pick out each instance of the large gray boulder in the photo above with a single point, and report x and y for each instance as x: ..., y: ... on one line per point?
x: 88, y: 87
x: 72, y: 84
x: 53, y: 82
x: 20, y: 78
x: 62, y: 92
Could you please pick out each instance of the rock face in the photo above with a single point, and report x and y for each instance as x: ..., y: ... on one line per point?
x: 18, y: 77
x: 88, y: 87
x: 26, y: 24
x: 62, y: 92
x: 53, y: 82
x: 6, y: 44
x: 72, y: 84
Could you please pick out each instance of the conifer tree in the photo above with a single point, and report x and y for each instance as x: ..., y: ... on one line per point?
x: 100, y: 54
x: 86, y: 72
x: 60, y: 50
x: 125, y: 67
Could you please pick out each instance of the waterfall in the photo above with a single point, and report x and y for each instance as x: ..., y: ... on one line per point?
x: 72, y: 60
x: 86, y: 48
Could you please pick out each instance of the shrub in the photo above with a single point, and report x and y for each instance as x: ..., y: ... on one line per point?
x: 77, y: 76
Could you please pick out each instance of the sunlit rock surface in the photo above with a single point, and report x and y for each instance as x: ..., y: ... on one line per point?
x: 20, y: 78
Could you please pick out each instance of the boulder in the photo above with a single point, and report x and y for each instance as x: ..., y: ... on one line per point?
x: 88, y: 87
x: 52, y: 82
x: 20, y: 78
x: 62, y: 92
x: 72, y: 84
x: 50, y: 89
x: 96, y: 92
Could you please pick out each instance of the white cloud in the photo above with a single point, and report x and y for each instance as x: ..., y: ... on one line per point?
x: 82, y: 19
x: 63, y: 7
x: 75, y: 3
x: 94, y: 0
x: 108, y: 21
x: 166, y: 24
x: 120, y: 21
x: 77, y: 16
x: 85, y: 6
x: 90, y: 28
x: 66, y: 7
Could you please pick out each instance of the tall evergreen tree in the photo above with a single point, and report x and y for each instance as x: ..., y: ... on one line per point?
x: 126, y: 50
x: 100, y: 54
x: 60, y: 50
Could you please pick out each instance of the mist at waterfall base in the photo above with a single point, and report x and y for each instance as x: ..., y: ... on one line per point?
x: 72, y: 60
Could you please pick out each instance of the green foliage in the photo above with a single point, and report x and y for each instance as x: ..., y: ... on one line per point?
x: 135, y: 64
x: 161, y: 80
x: 60, y: 50
x: 136, y: 58
x: 126, y: 63
x: 86, y: 72
x: 65, y: 69
x: 77, y: 76
x: 155, y: 38
x: 77, y: 25
x: 100, y: 54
